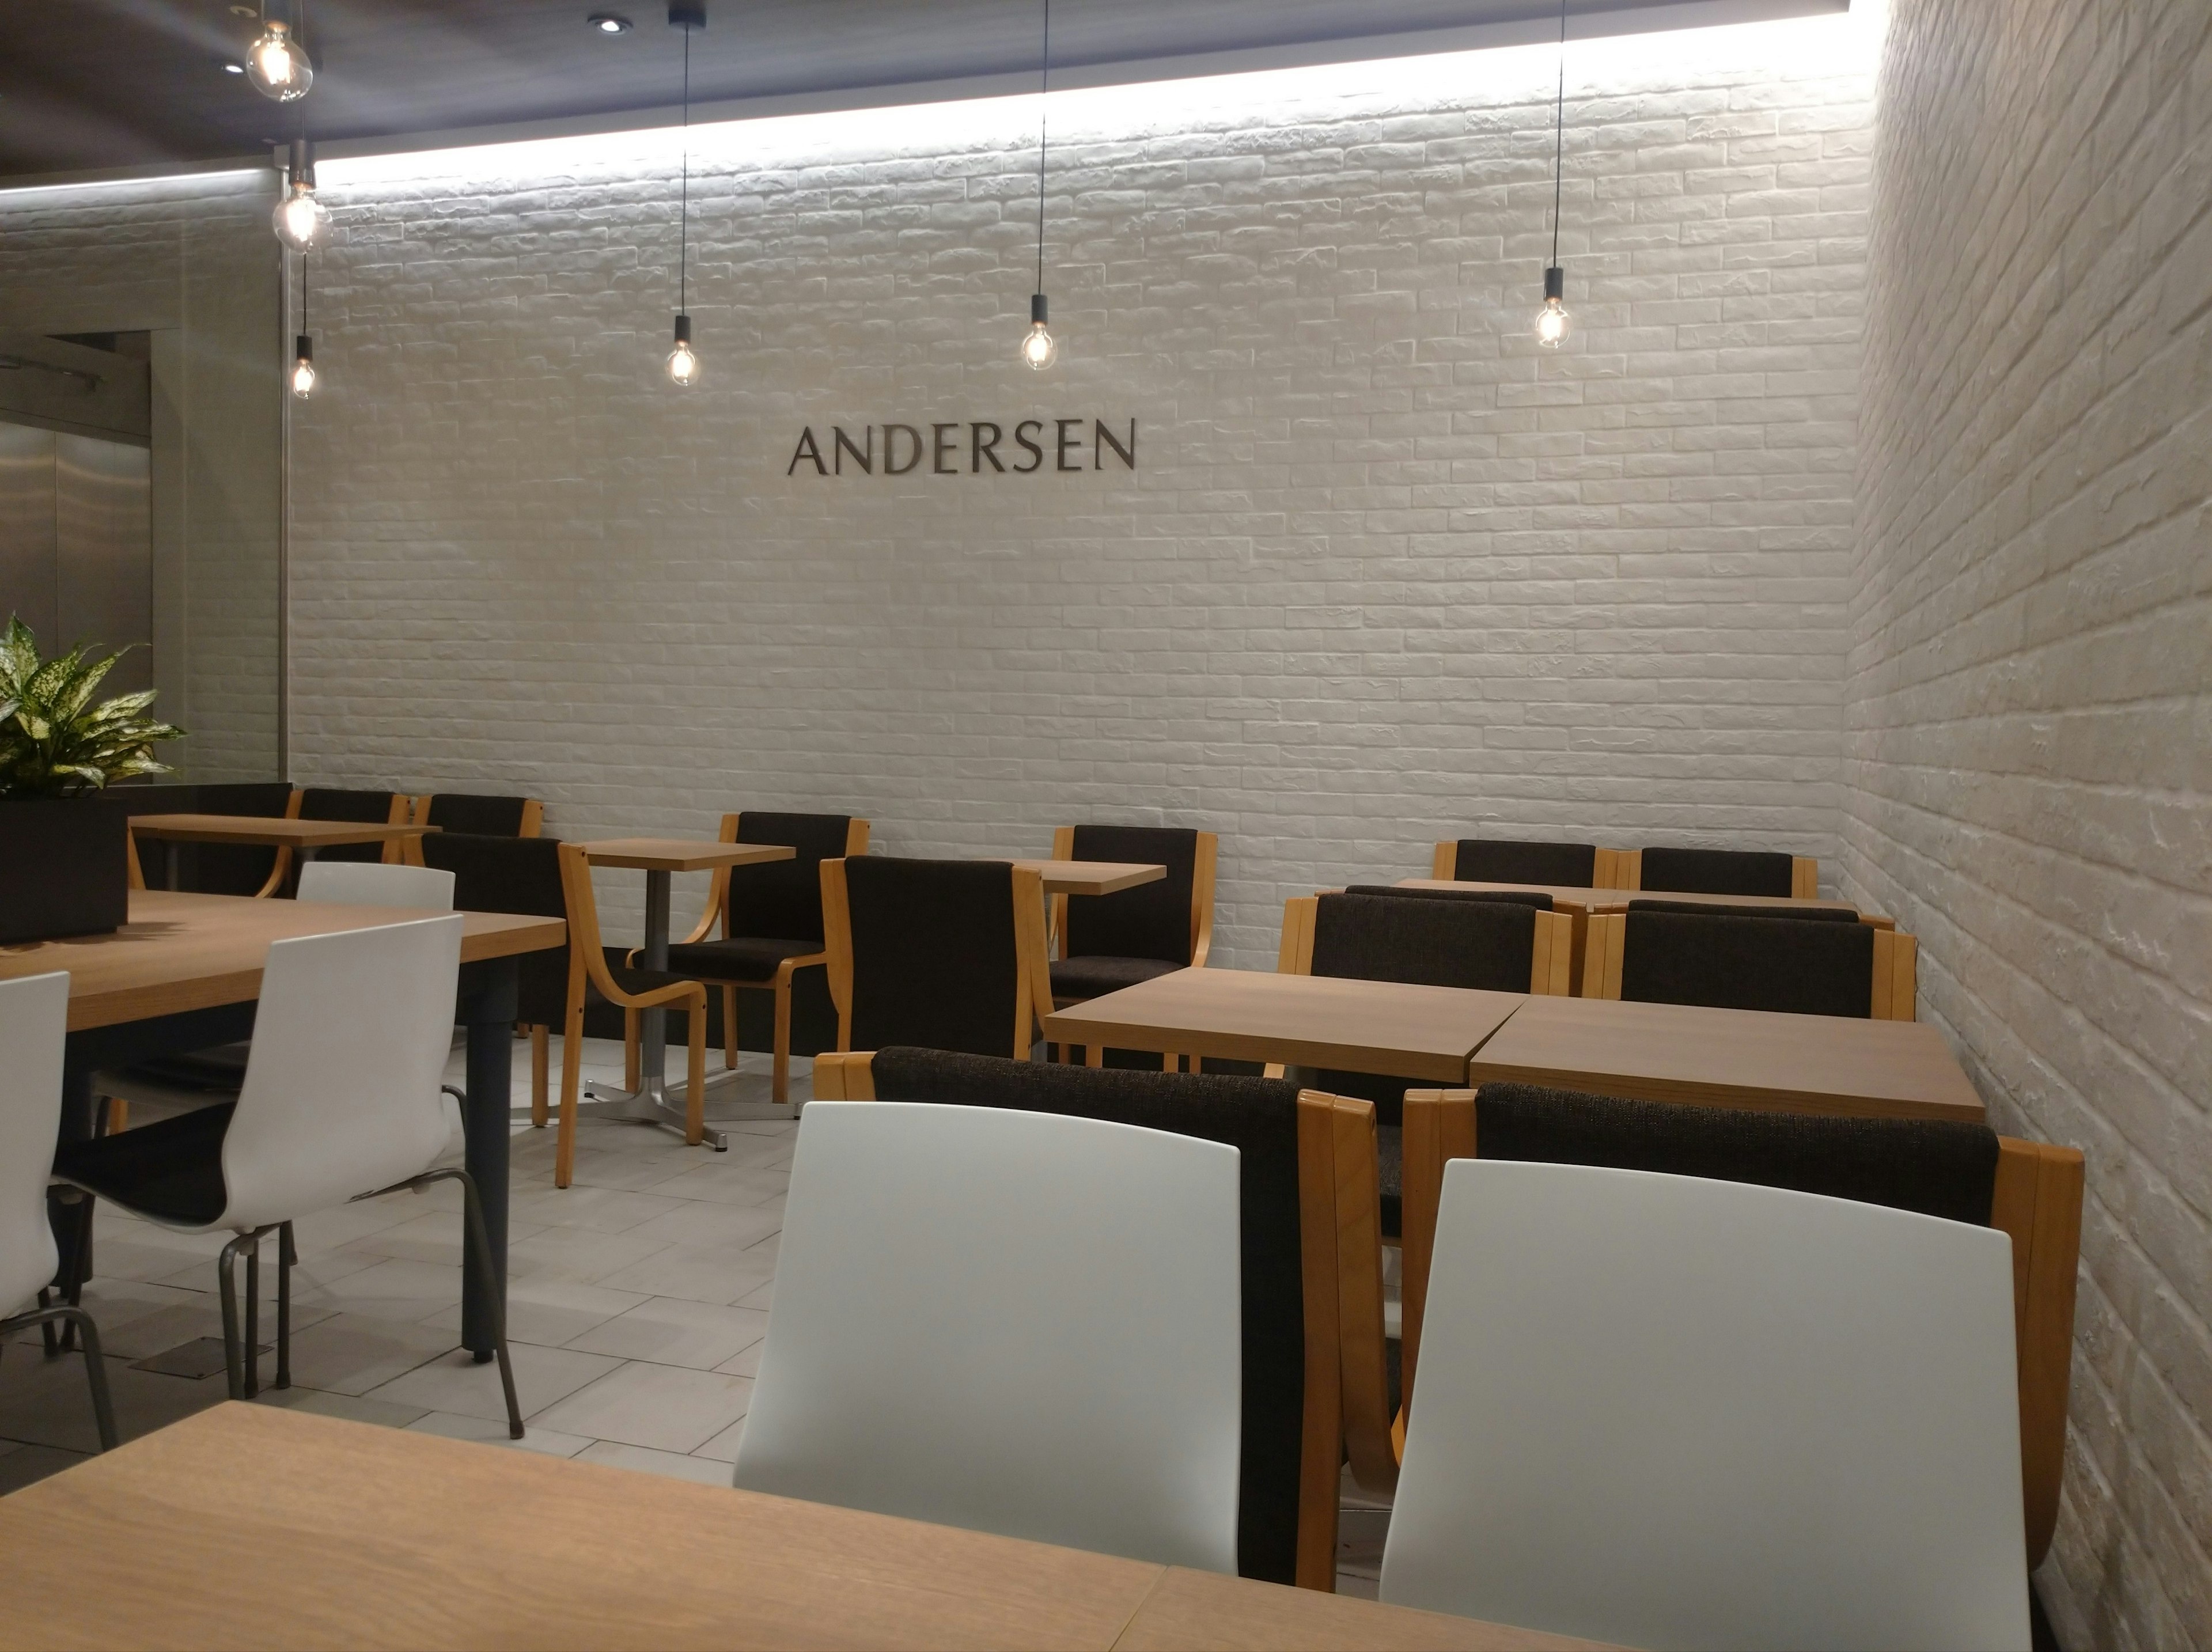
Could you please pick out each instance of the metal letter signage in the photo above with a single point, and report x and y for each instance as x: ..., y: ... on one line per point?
x: 905, y: 447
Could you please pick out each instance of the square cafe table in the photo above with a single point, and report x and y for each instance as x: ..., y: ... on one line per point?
x: 1731, y: 1058
x: 184, y: 974
x: 1092, y: 877
x: 1314, y: 1021
x: 304, y: 837
x: 657, y: 858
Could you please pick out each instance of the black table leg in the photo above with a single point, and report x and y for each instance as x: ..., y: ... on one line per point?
x: 487, y: 1007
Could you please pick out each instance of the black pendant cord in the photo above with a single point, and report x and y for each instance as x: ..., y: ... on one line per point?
x: 1044, y: 89
x: 684, y: 205
x: 1559, y: 133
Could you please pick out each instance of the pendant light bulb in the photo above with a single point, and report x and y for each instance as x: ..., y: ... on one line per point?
x: 684, y: 361
x: 303, y: 368
x: 1040, y: 349
x: 1552, y: 321
x: 277, y: 65
x: 302, y: 222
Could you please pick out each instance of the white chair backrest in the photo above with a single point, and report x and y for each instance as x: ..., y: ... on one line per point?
x: 33, y: 1022
x: 373, y: 884
x: 1014, y: 1322
x: 1667, y: 1412
x: 341, y: 1093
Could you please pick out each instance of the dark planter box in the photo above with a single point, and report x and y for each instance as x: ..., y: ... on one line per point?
x: 62, y: 869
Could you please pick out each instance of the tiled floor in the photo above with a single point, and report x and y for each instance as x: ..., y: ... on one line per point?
x: 637, y: 1300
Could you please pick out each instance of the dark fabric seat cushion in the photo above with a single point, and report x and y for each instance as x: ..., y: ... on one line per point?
x: 332, y: 803
x: 1151, y: 920
x: 478, y: 812
x: 1510, y: 897
x: 1748, y: 963
x: 933, y: 960
x: 1509, y: 861
x: 1934, y: 1167
x: 170, y: 1168
x: 1074, y: 979
x: 1717, y: 871
x: 1258, y: 1118
x: 741, y: 958
x: 1802, y: 915
x: 1488, y: 945
x: 513, y: 874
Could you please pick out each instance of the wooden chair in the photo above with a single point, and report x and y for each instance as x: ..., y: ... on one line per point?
x: 771, y: 921
x: 479, y: 814
x: 1512, y: 860
x: 1717, y: 872
x: 942, y: 954
x: 1750, y: 958
x: 332, y: 803
x: 516, y: 874
x: 2033, y: 1192
x: 1104, y: 943
x: 1315, y: 1379
x: 633, y: 990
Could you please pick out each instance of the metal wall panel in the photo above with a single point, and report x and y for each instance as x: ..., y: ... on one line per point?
x: 104, y: 552
x: 27, y: 528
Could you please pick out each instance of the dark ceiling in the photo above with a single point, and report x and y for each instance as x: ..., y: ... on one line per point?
x: 89, y: 84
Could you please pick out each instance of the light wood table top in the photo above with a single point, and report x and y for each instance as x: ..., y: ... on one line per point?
x: 680, y: 853
x: 1314, y: 1021
x: 1732, y: 1057
x: 270, y: 831
x: 1092, y: 877
x: 1566, y: 897
x: 247, y: 1526
x: 183, y: 952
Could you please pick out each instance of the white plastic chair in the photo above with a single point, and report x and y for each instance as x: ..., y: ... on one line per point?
x: 33, y: 1023
x: 341, y: 1102
x: 373, y: 884
x: 1666, y: 1412
x: 1015, y: 1323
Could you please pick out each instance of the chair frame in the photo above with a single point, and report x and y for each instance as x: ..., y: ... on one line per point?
x: 1628, y: 874
x: 401, y: 813
x: 1341, y: 1265
x: 1893, y: 989
x: 533, y: 824
x: 1203, y: 867
x: 718, y: 910
x: 1605, y: 872
x: 587, y: 962
x: 1033, y: 977
x: 2036, y: 1201
x: 1551, y: 972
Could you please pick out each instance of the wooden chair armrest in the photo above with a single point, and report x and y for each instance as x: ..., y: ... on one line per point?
x: 1364, y: 1357
x: 1203, y: 872
x: 1295, y: 956
x: 1439, y: 1125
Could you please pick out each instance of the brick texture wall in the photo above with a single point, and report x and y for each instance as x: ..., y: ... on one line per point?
x: 2030, y: 729
x: 1382, y: 573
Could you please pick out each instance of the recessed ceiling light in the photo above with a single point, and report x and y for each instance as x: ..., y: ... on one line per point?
x: 607, y: 23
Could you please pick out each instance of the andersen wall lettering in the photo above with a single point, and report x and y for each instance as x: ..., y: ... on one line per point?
x: 986, y: 449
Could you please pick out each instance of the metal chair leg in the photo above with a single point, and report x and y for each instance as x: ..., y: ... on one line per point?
x: 251, y: 1348
x: 286, y: 1253
x: 226, y: 1283
x: 95, y: 1366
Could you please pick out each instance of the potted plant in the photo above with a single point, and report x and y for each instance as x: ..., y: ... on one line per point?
x: 63, y: 867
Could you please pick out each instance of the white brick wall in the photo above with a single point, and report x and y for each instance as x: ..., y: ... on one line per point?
x: 1382, y: 575
x: 2029, y: 719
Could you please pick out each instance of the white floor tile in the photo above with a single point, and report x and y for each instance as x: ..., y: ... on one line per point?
x: 713, y: 1273
x: 666, y: 1407
x: 454, y: 1382
x: 675, y: 1466
x: 672, y: 1331
x: 485, y: 1430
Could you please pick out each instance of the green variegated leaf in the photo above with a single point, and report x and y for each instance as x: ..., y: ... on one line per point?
x: 53, y: 739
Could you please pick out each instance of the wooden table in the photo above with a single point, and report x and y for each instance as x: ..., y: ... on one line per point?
x: 249, y: 1526
x: 185, y: 972
x: 1314, y: 1021
x: 1731, y: 1058
x: 657, y: 858
x: 305, y: 838
x: 1092, y: 877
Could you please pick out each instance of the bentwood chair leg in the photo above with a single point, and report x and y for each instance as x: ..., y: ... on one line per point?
x: 572, y: 1070
x: 780, y: 1087
x: 286, y: 1253
x: 538, y: 1062
x: 730, y: 1030
x: 95, y: 1366
x: 632, y: 1046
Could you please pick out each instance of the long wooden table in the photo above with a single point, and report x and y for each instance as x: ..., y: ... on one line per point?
x: 305, y: 838
x: 1731, y: 1058
x: 185, y: 974
x: 1317, y: 1021
x: 248, y: 1526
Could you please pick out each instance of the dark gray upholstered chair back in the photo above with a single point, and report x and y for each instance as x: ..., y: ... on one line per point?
x: 1935, y: 1167
x: 1528, y: 898
x: 933, y: 955
x: 512, y: 874
x: 1151, y: 920
x: 332, y: 803
x: 1799, y: 915
x: 1259, y: 1117
x: 1509, y: 861
x: 1489, y: 944
x: 1717, y: 872
x: 781, y: 899
x: 480, y: 813
x: 1806, y: 968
